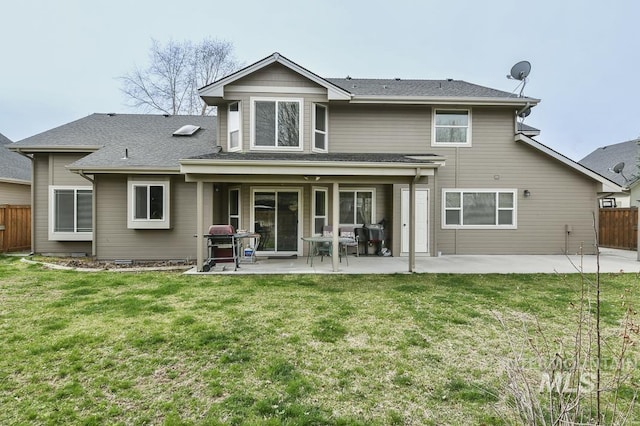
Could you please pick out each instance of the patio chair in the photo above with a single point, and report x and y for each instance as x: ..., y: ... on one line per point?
x: 349, y: 232
x: 324, y: 249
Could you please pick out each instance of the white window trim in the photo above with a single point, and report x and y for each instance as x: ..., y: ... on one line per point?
x: 373, y: 204
x: 239, y: 215
x: 252, y: 123
x: 239, y: 147
x: 485, y: 190
x: 451, y: 144
x: 324, y: 190
x: 67, y: 236
x: 165, y: 222
x: 314, y: 130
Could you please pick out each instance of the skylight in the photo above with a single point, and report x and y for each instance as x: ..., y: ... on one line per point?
x: 186, y: 130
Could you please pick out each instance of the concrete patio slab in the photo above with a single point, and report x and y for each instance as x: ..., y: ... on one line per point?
x: 611, y: 260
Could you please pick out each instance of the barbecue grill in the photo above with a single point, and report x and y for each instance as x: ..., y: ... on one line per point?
x: 374, y: 236
x: 223, y: 246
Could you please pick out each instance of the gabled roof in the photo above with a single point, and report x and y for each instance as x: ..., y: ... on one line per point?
x: 14, y: 168
x: 607, y: 184
x: 363, y: 90
x: 603, y: 159
x: 216, y: 89
x: 147, y: 139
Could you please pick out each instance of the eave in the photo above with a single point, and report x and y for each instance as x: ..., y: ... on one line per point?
x: 138, y: 170
x: 444, y: 100
x: 15, y: 181
x: 56, y: 149
x: 309, y: 168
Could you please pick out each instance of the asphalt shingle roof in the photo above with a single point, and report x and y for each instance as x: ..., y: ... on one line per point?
x: 603, y: 159
x: 148, y: 139
x: 417, y: 88
x: 13, y: 165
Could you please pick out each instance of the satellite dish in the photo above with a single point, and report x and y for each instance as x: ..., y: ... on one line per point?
x: 524, y: 112
x: 618, y: 167
x: 520, y: 71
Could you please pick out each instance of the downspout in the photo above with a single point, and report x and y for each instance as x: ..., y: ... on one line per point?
x: 412, y: 220
x: 435, y: 212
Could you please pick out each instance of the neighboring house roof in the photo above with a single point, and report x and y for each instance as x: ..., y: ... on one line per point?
x: 147, y: 141
x: 607, y: 184
x: 528, y: 130
x: 603, y: 160
x: 14, y: 167
x: 376, y: 90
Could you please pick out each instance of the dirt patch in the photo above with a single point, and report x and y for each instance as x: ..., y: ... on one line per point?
x: 92, y: 264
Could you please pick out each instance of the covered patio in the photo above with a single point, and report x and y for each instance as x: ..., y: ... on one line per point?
x: 297, y: 171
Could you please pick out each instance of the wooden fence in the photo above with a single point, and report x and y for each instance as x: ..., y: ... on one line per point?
x: 619, y: 228
x: 15, y: 228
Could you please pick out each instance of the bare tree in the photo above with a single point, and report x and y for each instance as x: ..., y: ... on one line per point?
x: 176, y: 70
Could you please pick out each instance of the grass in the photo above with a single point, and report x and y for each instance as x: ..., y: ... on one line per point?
x: 163, y: 348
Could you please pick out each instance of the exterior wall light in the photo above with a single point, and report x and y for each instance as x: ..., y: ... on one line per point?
x: 527, y: 193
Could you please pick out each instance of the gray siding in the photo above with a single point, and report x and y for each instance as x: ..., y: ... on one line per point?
x: 375, y: 128
x: 13, y: 193
x: 115, y: 241
x: 51, y: 171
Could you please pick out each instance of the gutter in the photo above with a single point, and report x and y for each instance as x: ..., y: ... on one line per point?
x: 449, y: 100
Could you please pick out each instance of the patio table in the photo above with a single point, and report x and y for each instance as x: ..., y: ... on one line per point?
x: 314, y: 241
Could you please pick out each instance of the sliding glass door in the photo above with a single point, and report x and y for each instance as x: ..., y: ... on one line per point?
x: 276, y: 216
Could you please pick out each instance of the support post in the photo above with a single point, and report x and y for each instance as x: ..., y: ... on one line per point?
x: 335, y: 220
x: 199, y: 225
x: 412, y: 226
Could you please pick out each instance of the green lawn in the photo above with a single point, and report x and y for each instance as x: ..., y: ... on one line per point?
x: 164, y: 348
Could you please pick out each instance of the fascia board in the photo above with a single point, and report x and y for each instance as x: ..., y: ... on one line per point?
x: 15, y: 181
x: 55, y: 148
x: 607, y: 185
x: 123, y: 170
x: 321, y: 168
x: 432, y: 100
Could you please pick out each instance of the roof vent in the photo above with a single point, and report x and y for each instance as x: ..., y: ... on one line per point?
x: 166, y: 115
x: 111, y: 114
x: 348, y: 77
x: 186, y: 130
x: 397, y: 78
x: 449, y: 79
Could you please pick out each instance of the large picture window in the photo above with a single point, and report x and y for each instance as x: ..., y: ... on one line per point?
x: 70, y: 213
x: 148, y: 204
x: 452, y: 127
x: 479, y: 209
x: 276, y: 124
x: 357, y: 206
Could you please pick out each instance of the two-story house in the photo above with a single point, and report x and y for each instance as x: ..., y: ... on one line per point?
x: 444, y: 163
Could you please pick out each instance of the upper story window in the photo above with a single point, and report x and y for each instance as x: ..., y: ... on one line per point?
x: 479, y: 209
x: 276, y: 124
x: 148, y: 204
x: 234, y: 137
x: 70, y: 213
x: 451, y: 127
x: 320, y: 126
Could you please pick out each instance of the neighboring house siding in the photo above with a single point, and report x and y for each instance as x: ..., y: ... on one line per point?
x: 13, y: 193
x: 49, y: 169
x: 115, y: 241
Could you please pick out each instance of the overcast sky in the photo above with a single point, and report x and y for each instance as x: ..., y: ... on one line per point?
x: 59, y: 60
